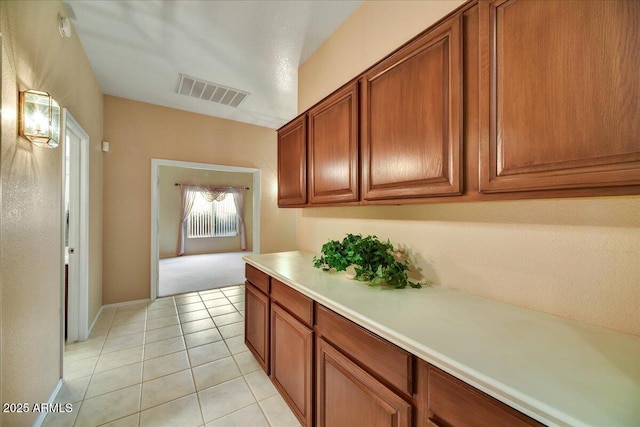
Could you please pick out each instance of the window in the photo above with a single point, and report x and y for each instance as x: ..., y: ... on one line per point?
x: 213, y: 219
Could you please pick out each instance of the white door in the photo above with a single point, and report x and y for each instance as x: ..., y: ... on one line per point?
x: 75, y: 217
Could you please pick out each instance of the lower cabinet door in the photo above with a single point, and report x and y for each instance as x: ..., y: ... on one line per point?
x: 256, y: 324
x: 346, y: 395
x: 292, y: 362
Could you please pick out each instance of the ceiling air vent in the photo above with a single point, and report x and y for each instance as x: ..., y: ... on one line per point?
x: 202, y: 89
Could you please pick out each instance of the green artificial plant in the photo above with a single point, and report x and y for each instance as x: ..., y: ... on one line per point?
x: 375, y: 262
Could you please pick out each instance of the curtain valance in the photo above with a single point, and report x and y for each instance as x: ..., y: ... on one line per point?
x: 188, y: 194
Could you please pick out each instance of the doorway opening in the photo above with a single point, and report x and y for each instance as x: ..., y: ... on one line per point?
x: 212, y: 253
x: 76, y: 229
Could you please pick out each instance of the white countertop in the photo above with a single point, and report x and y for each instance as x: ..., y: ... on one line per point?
x: 557, y: 371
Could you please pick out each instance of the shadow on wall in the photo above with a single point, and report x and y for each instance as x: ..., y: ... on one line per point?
x: 600, y: 212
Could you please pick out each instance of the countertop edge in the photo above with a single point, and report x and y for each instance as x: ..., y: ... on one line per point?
x: 528, y: 406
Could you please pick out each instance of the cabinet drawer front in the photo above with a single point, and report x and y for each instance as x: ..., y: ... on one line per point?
x: 293, y: 301
x: 258, y: 278
x: 459, y: 404
x: 389, y: 363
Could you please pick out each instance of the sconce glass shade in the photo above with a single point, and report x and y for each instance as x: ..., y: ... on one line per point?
x: 39, y: 118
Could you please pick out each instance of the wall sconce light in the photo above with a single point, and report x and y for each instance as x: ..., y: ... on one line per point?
x: 39, y: 118
x: 64, y: 26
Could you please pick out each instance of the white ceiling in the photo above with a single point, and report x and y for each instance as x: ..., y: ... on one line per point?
x: 138, y: 49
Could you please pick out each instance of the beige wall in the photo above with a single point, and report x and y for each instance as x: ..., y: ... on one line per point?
x: 373, y: 30
x: 139, y: 132
x: 169, y: 218
x: 577, y: 258
x: 35, y: 56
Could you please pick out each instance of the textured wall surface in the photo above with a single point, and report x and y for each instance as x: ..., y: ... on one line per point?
x: 374, y: 30
x: 36, y: 57
x: 139, y: 132
x: 576, y: 258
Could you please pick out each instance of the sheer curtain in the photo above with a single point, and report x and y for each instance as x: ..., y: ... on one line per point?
x: 210, y: 193
x: 239, y: 196
x: 188, y: 196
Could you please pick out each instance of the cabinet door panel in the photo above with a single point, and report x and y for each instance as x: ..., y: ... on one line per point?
x: 292, y: 362
x: 292, y: 163
x: 348, y: 396
x: 411, y: 120
x: 256, y: 324
x: 560, y: 94
x: 333, y: 148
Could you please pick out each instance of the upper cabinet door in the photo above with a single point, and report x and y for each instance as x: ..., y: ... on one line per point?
x: 411, y: 119
x: 559, y: 94
x: 292, y: 163
x: 333, y: 148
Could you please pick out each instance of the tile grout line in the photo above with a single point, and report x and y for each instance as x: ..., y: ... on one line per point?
x: 111, y: 326
x: 86, y: 390
x: 144, y: 349
x: 193, y: 378
x: 244, y: 378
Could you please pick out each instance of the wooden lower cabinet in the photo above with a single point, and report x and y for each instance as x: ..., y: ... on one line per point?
x: 346, y: 395
x: 256, y: 324
x: 354, y: 378
x: 444, y: 401
x: 386, y: 361
x: 292, y: 362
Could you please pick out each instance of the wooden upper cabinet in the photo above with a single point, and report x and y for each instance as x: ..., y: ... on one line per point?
x: 292, y: 163
x: 411, y: 119
x: 559, y: 94
x: 333, y: 148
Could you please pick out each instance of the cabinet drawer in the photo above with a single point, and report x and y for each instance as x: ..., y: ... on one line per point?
x: 453, y: 402
x: 386, y: 361
x: 258, y: 278
x: 293, y: 301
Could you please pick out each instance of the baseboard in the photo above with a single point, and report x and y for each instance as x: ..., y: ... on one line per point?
x: 122, y: 304
x: 95, y: 319
x: 53, y: 396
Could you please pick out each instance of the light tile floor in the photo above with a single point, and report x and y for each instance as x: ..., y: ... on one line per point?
x: 179, y: 361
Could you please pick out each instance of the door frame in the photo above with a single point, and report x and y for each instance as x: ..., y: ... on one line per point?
x: 78, y: 305
x: 155, y: 208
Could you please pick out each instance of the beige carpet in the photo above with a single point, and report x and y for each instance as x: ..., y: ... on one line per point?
x: 190, y: 273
